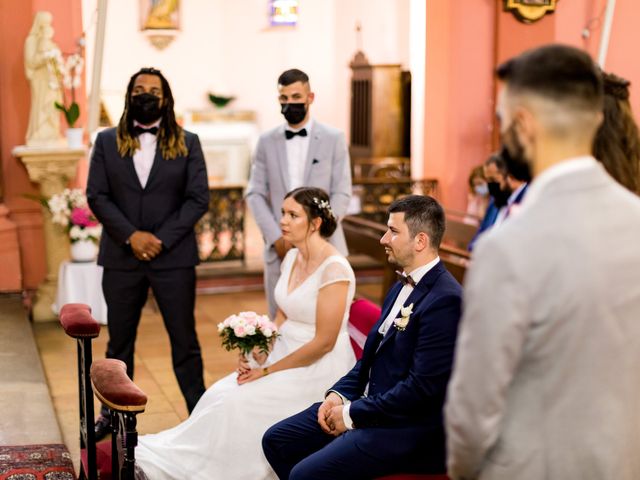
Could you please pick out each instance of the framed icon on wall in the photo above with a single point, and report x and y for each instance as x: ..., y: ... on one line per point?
x: 529, y: 11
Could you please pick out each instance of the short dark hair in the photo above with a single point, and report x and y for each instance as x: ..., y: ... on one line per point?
x: 422, y: 213
x: 315, y: 202
x: 292, y: 76
x: 558, y: 72
x: 496, y: 159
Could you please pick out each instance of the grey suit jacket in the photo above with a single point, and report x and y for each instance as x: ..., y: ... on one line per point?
x: 546, y: 381
x: 327, y: 166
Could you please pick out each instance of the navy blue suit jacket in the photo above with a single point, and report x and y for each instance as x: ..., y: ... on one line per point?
x: 408, y: 370
x: 175, y: 197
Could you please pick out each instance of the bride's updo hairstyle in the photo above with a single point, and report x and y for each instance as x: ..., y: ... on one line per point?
x: 315, y: 202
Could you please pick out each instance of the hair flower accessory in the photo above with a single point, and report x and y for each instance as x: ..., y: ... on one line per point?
x: 323, y: 205
x: 405, y: 313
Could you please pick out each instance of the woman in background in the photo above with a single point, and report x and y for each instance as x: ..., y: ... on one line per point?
x: 617, y: 142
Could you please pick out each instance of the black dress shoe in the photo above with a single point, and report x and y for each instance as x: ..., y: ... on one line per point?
x: 102, y: 427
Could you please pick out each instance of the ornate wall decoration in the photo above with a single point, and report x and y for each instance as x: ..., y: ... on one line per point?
x: 220, y: 232
x: 529, y: 11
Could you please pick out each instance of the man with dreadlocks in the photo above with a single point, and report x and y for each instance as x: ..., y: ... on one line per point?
x: 148, y: 186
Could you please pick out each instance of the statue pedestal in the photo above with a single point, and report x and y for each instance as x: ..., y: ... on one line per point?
x: 51, y: 168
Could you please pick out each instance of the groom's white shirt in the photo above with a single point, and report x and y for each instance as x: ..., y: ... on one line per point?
x: 297, y: 151
x: 405, y: 291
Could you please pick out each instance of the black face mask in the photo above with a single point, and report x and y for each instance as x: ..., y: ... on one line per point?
x: 500, y: 197
x: 145, y: 108
x: 294, y: 113
x: 517, y: 165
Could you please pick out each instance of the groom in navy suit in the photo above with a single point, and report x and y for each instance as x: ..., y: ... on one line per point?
x: 385, y: 415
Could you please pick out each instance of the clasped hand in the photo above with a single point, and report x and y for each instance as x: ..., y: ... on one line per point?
x: 145, y: 245
x: 330, y: 415
x: 245, y: 372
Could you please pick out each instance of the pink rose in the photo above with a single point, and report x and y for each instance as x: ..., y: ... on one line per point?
x: 83, y: 217
x: 240, y: 331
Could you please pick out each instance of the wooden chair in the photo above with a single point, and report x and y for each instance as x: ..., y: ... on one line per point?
x: 78, y: 323
x: 363, y: 315
x: 125, y: 400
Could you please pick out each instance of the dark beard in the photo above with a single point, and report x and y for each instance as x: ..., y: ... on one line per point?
x: 512, y: 152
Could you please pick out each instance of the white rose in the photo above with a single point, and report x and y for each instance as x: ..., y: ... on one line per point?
x: 250, y: 329
x: 267, y: 332
x: 220, y: 327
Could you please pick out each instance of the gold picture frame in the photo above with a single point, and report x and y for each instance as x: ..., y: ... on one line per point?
x: 529, y: 11
x: 160, y: 21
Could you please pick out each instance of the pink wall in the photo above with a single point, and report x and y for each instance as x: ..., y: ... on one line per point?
x: 15, y: 22
x: 459, y: 93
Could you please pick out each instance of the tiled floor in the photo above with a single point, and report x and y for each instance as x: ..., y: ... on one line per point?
x: 153, y: 371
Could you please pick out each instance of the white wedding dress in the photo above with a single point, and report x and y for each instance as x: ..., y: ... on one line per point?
x: 221, y: 440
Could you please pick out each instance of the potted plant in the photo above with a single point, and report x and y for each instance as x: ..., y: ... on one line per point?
x: 69, y: 210
x: 68, y: 75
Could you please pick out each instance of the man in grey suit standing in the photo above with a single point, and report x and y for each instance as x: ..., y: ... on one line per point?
x: 546, y: 380
x: 302, y: 152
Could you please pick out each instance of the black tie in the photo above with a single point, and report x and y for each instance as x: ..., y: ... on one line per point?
x: 405, y: 279
x: 290, y: 133
x: 138, y: 130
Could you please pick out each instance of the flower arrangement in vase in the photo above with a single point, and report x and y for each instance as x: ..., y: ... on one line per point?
x: 69, y: 209
x: 68, y: 75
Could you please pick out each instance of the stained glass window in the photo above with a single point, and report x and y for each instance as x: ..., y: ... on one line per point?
x: 283, y: 12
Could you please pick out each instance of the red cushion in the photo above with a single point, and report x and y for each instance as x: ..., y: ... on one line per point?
x: 112, y: 385
x: 362, y: 317
x: 74, y: 306
x: 78, y: 322
x: 103, y: 459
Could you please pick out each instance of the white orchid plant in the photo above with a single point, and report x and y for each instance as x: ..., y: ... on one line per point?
x: 68, y: 76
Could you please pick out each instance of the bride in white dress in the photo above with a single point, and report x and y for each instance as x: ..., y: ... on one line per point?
x: 221, y: 440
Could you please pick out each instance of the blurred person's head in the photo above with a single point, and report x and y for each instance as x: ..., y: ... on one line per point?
x: 617, y: 142
x: 495, y: 173
x: 477, y: 182
x: 550, y: 106
x: 149, y: 99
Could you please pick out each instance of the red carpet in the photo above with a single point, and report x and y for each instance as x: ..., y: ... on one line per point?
x: 36, y: 462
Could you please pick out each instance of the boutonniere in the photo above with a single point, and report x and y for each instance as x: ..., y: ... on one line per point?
x: 402, y: 322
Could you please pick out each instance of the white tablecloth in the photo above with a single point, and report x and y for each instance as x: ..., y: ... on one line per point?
x: 81, y: 282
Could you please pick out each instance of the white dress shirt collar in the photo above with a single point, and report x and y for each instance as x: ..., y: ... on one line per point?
x: 420, y: 272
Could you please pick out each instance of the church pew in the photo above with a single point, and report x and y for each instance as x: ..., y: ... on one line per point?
x: 363, y: 236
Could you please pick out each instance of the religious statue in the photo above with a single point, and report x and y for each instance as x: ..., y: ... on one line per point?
x: 39, y: 50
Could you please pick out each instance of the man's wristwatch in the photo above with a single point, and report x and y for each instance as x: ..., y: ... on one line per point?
x: 265, y: 371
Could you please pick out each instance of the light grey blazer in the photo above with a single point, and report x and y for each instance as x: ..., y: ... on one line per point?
x: 327, y: 166
x: 546, y: 380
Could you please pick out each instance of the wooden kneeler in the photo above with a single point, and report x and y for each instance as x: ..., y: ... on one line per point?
x: 78, y: 323
x: 125, y: 400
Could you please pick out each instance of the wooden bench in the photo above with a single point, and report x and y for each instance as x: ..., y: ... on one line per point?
x: 125, y: 400
x: 363, y: 315
x: 77, y: 322
x: 363, y: 236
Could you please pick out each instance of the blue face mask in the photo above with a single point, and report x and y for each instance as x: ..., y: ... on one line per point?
x: 482, y: 189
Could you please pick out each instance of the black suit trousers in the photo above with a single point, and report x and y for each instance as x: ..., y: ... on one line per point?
x: 126, y: 292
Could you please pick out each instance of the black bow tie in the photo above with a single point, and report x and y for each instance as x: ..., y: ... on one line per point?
x: 290, y: 133
x: 405, y: 279
x: 138, y: 130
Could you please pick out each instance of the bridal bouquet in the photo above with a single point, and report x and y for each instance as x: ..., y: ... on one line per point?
x: 247, y: 330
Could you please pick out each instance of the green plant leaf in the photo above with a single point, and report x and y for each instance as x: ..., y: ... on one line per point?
x: 60, y: 107
x: 72, y: 114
